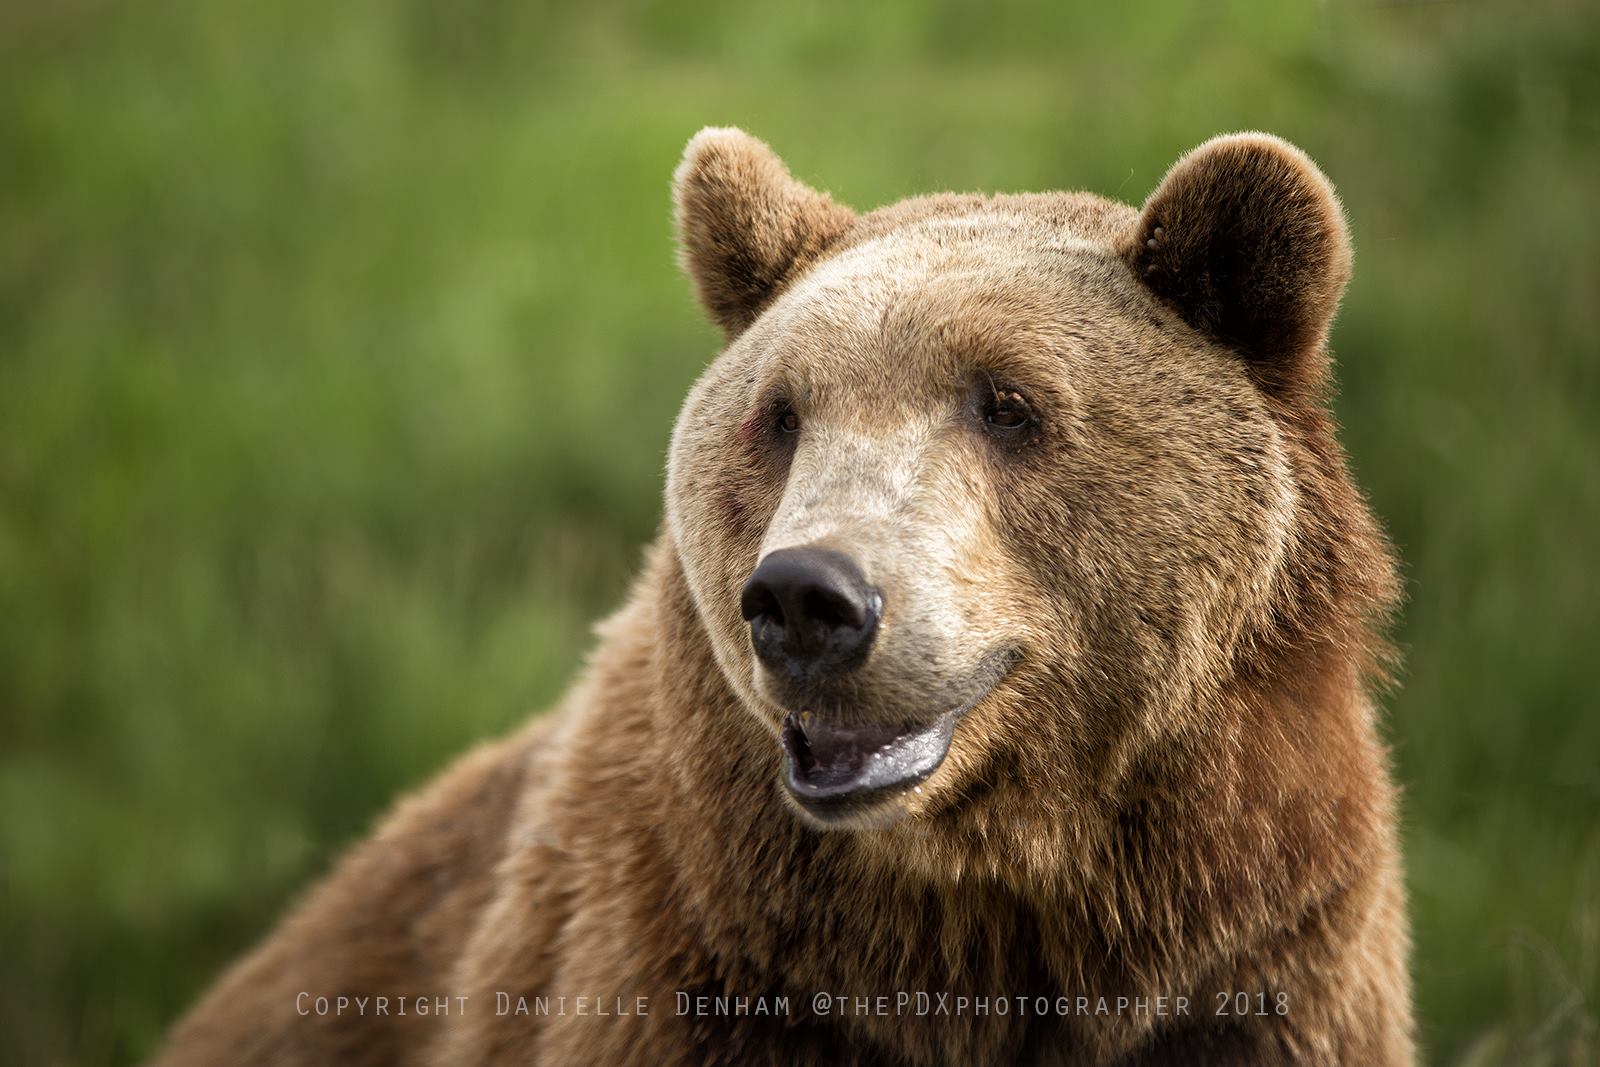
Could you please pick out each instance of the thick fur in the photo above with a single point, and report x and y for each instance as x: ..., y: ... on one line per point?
x: 1176, y: 790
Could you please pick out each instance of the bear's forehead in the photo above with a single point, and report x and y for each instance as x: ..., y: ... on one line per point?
x: 959, y: 249
x: 995, y: 277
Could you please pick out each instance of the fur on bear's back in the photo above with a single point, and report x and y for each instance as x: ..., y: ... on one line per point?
x: 389, y: 920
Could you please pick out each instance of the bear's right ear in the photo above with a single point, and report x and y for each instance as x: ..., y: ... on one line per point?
x: 745, y: 226
x: 1245, y: 239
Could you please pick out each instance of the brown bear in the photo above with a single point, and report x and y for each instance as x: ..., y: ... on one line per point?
x: 997, y: 690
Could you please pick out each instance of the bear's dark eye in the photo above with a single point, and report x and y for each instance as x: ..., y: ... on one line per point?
x: 788, y: 421
x: 1007, y: 414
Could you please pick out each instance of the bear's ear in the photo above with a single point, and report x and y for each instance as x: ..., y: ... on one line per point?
x: 1247, y: 241
x: 745, y: 226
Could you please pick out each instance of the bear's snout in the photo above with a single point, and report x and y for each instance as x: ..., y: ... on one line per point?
x: 812, y: 614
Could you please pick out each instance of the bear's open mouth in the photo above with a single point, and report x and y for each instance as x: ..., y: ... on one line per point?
x: 832, y: 768
x: 835, y: 769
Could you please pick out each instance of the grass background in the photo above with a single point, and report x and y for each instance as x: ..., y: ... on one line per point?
x: 340, y: 343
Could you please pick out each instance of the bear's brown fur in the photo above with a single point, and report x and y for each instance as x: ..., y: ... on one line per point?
x: 1147, y: 588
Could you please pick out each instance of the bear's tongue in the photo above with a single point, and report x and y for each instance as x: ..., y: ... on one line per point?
x: 829, y: 762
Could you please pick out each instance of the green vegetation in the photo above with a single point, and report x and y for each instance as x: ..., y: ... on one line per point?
x: 339, y: 346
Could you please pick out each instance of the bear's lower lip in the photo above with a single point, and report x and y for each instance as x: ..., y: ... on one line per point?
x: 833, y: 769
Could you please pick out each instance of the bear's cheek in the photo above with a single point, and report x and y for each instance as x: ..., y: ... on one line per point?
x: 719, y: 489
x: 734, y: 475
x: 735, y: 514
x: 722, y: 501
x: 744, y: 498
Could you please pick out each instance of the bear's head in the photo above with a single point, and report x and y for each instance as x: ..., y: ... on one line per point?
x: 989, y: 498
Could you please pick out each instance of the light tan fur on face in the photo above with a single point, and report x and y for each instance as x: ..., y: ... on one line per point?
x: 1176, y: 789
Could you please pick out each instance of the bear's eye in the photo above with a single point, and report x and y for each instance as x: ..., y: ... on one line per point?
x: 1006, y: 413
x: 788, y: 421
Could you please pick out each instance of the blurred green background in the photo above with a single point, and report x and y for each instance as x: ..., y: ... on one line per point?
x: 340, y: 344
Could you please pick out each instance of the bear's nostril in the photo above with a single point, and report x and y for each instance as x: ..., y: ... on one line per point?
x: 826, y: 609
x: 758, y: 602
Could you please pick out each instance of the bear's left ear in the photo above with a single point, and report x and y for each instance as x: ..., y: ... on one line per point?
x: 1247, y: 241
x: 746, y: 227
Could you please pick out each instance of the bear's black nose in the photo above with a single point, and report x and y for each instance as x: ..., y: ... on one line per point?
x: 811, y: 613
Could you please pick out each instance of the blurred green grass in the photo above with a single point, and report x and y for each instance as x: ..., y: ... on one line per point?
x: 339, y: 347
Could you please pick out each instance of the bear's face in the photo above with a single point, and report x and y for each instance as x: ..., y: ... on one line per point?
x: 982, y: 495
